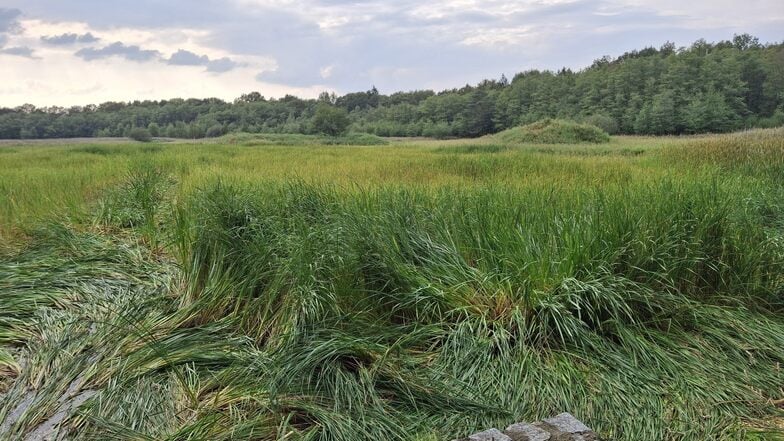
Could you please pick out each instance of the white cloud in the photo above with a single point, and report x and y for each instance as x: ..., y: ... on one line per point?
x: 109, y: 69
x: 326, y: 71
x: 64, y: 80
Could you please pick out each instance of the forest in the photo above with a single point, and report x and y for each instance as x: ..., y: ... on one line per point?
x: 704, y: 88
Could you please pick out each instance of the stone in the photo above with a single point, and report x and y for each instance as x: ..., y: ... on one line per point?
x: 562, y: 427
x: 489, y: 435
x: 565, y: 422
x: 526, y: 432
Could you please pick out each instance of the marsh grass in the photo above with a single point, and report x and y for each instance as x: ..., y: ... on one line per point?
x: 436, y: 289
x: 553, y: 131
x: 286, y: 139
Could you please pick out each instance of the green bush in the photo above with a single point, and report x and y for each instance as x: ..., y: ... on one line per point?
x: 214, y: 131
x: 155, y: 129
x: 140, y: 134
x: 554, y: 131
x: 330, y: 120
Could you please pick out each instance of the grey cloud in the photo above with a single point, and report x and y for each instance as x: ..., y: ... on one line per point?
x: 9, y: 24
x: 8, y: 20
x: 133, y: 53
x: 220, y: 65
x: 69, y: 38
x: 188, y: 58
x: 21, y: 51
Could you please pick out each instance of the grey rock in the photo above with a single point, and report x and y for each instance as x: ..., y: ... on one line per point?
x: 526, y: 432
x: 565, y: 422
x: 489, y: 435
x: 562, y: 427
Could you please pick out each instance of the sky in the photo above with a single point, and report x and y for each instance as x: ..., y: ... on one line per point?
x: 77, y: 52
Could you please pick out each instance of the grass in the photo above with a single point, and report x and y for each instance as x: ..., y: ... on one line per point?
x: 259, y: 139
x: 554, y: 131
x: 409, y: 291
x: 66, y: 181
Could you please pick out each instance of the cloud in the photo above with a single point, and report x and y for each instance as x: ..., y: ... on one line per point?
x: 188, y: 58
x: 9, y: 25
x: 133, y: 53
x: 8, y: 20
x: 69, y: 38
x: 221, y: 65
x: 327, y: 71
x: 20, y: 51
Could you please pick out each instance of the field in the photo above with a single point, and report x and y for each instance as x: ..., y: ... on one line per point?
x: 277, y: 288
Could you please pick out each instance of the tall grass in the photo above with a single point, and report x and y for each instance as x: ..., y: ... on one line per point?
x: 554, y: 131
x: 645, y: 300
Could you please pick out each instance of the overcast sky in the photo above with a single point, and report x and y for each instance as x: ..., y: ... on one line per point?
x: 90, y: 51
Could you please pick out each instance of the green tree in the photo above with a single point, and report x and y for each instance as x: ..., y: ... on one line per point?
x: 330, y: 120
x: 478, y: 114
x: 662, y: 116
x: 709, y: 112
x: 155, y: 129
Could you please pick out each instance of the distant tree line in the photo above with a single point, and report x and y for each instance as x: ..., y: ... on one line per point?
x: 707, y: 87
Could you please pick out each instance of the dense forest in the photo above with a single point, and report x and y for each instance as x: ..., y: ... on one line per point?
x: 706, y: 87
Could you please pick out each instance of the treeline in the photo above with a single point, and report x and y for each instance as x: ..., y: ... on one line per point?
x: 706, y: 87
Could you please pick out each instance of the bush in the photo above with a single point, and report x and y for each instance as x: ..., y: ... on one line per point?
x: 140, y: 134
x: 554, y: 131
x: 214, y: 131
x: 155, y: 129
x: 330, y: 120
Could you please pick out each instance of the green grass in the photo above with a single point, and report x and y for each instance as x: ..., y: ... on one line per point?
x: 554, y: 131
x: 258, y: 139
x: 413, y: 291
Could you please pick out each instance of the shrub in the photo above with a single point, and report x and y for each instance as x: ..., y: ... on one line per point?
x: 554, y: 131
x: 330, y: 120
x: 155, y: 129
x: 140, y: 134
x: 214, y: 131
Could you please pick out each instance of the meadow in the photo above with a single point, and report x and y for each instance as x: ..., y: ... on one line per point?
x: 256, y: 287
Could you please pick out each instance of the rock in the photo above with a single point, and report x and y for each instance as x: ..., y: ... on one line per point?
x: 565, y: 427
x: 562, y: 427
x: 526, y: 432
x: 489, y: 435
x: 565, y: 422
